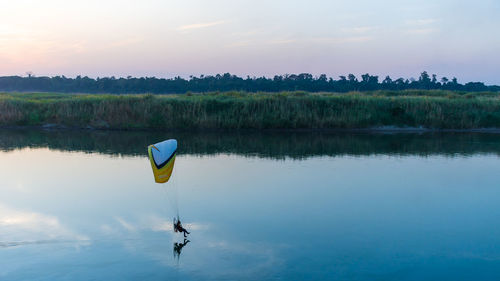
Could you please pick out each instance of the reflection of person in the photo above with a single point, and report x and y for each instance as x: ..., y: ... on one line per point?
x: 178, y: 227
x: 178, y: 247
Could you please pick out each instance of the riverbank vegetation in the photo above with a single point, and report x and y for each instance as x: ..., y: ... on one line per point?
x: 435, y: 109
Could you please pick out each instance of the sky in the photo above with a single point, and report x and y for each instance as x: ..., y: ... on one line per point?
x: 165, y: 38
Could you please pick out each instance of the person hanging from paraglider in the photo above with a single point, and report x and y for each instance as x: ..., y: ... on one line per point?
x: 178, y: 227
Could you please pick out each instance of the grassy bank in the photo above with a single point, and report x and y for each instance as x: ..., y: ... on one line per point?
x: 240, y: 110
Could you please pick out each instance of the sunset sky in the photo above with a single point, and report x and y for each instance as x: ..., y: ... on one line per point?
x: 192, y: 37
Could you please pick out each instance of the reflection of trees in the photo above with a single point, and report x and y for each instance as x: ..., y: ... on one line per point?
x: 270, y: 144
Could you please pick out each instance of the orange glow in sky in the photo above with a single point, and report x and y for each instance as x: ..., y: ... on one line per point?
x: 193, y: 37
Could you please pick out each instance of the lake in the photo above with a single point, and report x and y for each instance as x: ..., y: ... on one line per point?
x: 83, y: 205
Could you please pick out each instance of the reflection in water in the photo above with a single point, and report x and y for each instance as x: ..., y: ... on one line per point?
x: 40, y: 242
x: 178, y: 248
x: 277, y: 145
x: 406, y: 207
x: 19, y: 227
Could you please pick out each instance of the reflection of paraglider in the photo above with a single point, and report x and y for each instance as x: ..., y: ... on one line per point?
x: 162, y: 158
x: 178, y: 248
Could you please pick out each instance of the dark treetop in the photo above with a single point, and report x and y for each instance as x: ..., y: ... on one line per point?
x: 228, y: 82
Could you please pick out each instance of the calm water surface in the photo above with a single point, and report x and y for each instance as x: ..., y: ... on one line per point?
x: 273, y: 206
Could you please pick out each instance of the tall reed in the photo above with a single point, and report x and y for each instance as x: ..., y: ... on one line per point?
x: 241, y: 110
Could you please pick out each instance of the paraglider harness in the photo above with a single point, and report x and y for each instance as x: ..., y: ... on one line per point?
x: 178, y: 227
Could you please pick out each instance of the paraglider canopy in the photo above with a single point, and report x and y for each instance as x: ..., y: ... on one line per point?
x: 162, y: 158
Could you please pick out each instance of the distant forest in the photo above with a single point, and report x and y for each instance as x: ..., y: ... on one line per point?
x: 228, y: 82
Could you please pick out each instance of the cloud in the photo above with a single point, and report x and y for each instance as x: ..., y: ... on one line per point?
x: 355, y: 39
x: 314, y: 40
x: 247, y: 33
x: 128, y: 226
x: 125, y: 42
x: 239, y: 44
x: 359, y: 29
x: 200, y: 25
x: 421, y: 26
x: 422, y: 31
x: 420, y: 21
x: 281, y: 41
x: 342, y: 40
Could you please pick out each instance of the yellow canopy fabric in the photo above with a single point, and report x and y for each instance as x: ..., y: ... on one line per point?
x: 162, y: 158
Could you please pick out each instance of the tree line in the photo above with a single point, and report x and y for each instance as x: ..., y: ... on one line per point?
x: 228, y: 82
